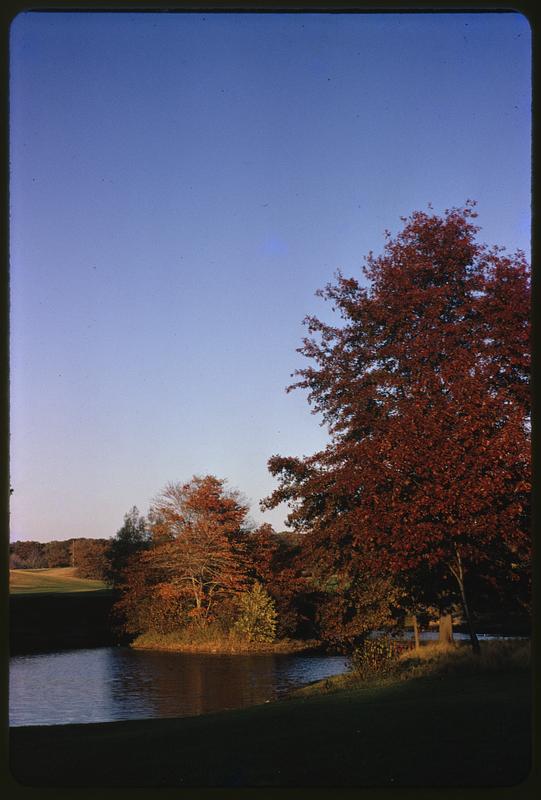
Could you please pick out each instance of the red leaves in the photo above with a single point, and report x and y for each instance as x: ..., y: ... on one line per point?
x: 425, y: 392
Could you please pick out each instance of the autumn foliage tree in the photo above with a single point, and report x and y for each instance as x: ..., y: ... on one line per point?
x: 274, y: 560
x: 91, y: 559
x: 58, y: 553
x: 424, y: 387
x: 27, y: 555
x: 195, y: 563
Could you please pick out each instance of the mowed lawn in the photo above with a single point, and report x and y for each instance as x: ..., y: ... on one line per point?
x: 58, y: 579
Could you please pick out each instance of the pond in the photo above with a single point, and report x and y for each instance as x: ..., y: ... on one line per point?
x: 108, y: 684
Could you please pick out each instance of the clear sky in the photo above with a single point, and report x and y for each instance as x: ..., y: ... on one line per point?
x: 181, y: 184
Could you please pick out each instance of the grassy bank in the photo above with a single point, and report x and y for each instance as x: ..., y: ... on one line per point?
x: 452, y: 730
x: 213, y: 641
x: 50, y: 621
x: 435, y: 661
x: 57, y: 580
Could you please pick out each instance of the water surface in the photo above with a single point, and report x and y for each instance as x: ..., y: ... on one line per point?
x: 107, y: 684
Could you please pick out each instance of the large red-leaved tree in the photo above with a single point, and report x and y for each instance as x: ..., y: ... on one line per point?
x: 424, y: 387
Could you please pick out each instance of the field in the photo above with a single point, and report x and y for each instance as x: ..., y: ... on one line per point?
x: 58, y: 579
x: 467, y: 730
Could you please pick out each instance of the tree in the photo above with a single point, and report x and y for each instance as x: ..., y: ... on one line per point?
x: 257, y: 617
x: 274, y: 561
x: 134, y: 611
x: 27, y: 555
x: 58, y: 554
x: 91, y: 558
x: 195, y: 560
x: 130, y: 539
x: 424, y: 389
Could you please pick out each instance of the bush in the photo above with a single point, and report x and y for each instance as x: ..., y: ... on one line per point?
x: 257, y: 619
x: 377, y: 657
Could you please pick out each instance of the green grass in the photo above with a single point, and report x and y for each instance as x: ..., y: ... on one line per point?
x: 456, y: 730
x: 58, y: 579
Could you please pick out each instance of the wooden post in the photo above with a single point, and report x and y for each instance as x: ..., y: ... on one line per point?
x: 446, y: 628
x: 416, y: 632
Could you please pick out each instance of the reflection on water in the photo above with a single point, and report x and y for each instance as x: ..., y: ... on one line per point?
x: 116, y: 683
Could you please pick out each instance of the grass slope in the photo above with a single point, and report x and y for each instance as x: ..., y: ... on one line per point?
x: 471, y: 730
x: 59, y: 579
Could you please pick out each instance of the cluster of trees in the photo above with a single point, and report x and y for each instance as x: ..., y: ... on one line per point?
x: 34, y: 555
x: 97, y: 559
x: 88, y: 556
x: 419, y: 503
x: 194, y: 562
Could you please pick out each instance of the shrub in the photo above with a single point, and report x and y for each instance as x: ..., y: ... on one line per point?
x: 377, y: 657
x: 257, y: 618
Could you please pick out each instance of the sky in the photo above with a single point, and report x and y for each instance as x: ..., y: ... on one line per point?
x: 180, y: 187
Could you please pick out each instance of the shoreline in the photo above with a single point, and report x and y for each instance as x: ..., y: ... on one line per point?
x: 282, y: 647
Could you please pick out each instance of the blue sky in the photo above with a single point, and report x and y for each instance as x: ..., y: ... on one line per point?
x: 181, y: 185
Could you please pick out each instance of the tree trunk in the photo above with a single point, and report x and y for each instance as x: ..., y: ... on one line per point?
x: 473, y: 636
x: 446, y: 628
x: 416, y: 632
x: 459, y: 575
x: 197, y: 596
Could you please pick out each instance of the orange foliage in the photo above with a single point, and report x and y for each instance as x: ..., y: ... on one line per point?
x: 196, y: 560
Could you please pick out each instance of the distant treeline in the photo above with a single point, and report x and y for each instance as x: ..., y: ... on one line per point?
x: 88, y: 556
x: 92, y: 558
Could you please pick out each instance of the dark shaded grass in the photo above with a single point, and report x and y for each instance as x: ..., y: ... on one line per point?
x: 50, y: 621
x: 471, y: 730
